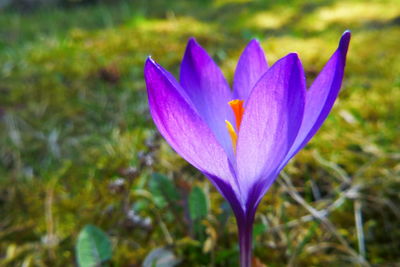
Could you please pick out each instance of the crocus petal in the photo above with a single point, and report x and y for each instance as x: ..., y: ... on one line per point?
x: 208, y: 90
x: 251, y: 66
x: 272, y: 118
x: 182, y: 127
x: 321, y: 96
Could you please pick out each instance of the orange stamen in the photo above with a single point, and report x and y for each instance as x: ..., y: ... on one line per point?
x: 238, y: 110
x: 232, y: 133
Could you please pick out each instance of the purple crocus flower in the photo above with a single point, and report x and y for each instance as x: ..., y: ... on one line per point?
x: 242, y: 139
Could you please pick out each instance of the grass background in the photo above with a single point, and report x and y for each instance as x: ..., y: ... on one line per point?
x: 78, y: 145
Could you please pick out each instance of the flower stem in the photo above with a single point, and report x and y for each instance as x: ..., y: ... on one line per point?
x: 245, y: 243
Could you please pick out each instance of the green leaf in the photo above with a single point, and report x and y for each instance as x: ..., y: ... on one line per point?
x: 163, y: 190
x: 93, y: 247
x: 160, y: 257
x: 258, y: 229
x: 198, y: 204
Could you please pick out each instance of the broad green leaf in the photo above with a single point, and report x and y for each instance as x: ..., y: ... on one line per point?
x: 258, y: 229
x: 93, y: 247
x: 198, y: 204
x: 163, y: 190
x: 160, y: 257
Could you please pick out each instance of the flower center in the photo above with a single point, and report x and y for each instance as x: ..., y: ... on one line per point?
x: 238, y: 110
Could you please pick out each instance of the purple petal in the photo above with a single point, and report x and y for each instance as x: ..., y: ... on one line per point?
x: 251, y: 66
x: 270, y: 123
x: 321, y: 96
x: 182, y: 127
x: 208, y: 90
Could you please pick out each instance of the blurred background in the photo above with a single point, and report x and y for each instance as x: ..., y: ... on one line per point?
x: 86, y: 179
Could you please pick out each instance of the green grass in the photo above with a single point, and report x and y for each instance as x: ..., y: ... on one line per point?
x: 74, y: 117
